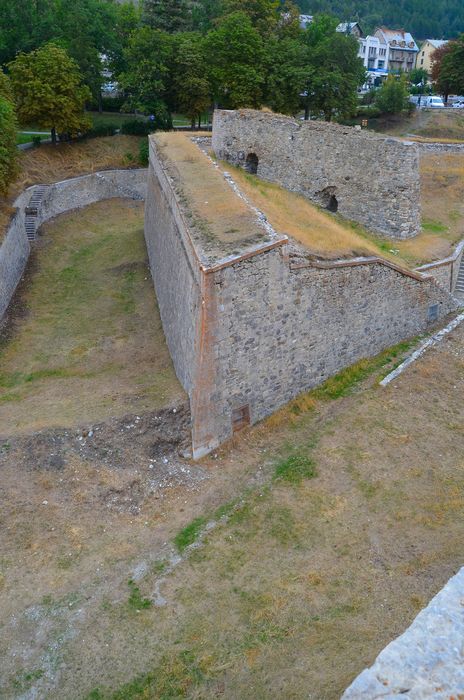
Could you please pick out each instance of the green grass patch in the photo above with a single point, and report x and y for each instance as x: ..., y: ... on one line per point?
x: 190, y: 533
x: 294, y: 469
x: 432, y: 226
x: 135, y: 601
x: 344, y: 382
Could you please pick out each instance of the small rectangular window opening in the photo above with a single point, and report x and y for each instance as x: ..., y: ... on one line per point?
x: 433, y: 312
x: 240, y: 418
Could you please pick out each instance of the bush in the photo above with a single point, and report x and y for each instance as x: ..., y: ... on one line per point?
x: 368, y: 111
x: 102, y: 130
x: 8, y: 150
x: 36, y: 140
x: 136, y: 127
x: 143, y: 152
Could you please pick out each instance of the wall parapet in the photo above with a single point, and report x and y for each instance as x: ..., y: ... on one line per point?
x: 249, y: 332
x: 445, y: 271
x: 365, y: 177
x: 60, y: 197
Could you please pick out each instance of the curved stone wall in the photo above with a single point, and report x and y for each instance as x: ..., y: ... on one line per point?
x: 58, y: 198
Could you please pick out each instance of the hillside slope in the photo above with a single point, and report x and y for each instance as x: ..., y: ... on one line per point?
x: 425, y: 19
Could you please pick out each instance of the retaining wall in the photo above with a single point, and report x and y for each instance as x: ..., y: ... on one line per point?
x: 59, y: 197
x: 445, y: 271
x: 249, y: 332
x: 375, y: 180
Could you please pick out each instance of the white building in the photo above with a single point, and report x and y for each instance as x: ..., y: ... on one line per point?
x: 375, y: 57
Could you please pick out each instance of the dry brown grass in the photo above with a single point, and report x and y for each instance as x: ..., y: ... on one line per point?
x: 442, y: 195
x: 217, y: 212
x: 49, y: 164
x: 289, y: 213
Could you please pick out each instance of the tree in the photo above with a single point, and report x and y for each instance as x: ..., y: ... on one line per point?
x: 189, y: 84
x: 235, y: 60
x: 392, y: 97
x: 48, y: 90
x: 168, y: 15
x: 440, y: 78
x: 5, y: 87
x: 287, y: 74
x: 263, y: 14
x: 334, y: 70
x: 25, y: 25
x: 8, y: 150
x: 419, y: 78
x: 451, y: 69
x: 147, y: 76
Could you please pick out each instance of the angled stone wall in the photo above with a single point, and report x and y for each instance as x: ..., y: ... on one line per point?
x: 365, y: 177
x: 250, y: 331
x: 60, y: 197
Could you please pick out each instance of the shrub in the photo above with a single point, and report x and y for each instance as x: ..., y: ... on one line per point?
x: 102, y: 130
x: 8, y: 150
x: 36, y: 140
x: 368, y: 111
x: 143, y: 152
x: 136, y: 127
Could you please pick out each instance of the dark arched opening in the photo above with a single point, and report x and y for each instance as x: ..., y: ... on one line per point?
x: 332, y: 204
x: 251, y: 164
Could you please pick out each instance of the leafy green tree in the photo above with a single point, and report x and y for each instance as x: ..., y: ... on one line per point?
x: 25, y: 25
x: 48, y: 90
x: 5, y: 87
x: 392, y: 97
x: 235, y: 62
x: 287, y: 74
x: 451, y: 68
x: 189, y: 84
x: 334, y: 70
x: 168, y: 15
x: 263, y: 14
x: 419, y: 78
x: 8, y: 150
x: 146, y: 79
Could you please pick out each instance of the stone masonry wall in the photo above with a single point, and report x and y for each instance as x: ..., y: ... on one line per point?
x: 375, y: 180
x: 280, y: 330
x: 60, y: 197
x: 14, y: 254
x: 175, y: 271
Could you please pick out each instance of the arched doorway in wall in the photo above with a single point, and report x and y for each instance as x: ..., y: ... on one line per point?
x: 328, y: 199
x: 251, y: 163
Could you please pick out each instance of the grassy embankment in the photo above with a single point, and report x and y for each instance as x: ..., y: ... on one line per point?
x: 88, y: 342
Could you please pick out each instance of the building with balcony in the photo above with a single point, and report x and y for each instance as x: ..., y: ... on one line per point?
x: 401, y: 49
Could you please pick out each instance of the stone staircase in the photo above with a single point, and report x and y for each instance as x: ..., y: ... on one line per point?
x: 32, y: 210
x: 459, y: 289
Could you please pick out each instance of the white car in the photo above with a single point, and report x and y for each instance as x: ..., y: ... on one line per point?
x: 458, y: 105
x: 433, y: 102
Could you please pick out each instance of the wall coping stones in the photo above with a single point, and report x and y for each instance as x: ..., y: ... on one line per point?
x: 426, y: 661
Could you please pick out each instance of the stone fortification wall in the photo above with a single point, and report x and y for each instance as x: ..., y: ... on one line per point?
x: 58, y: 198
x: 175, y: 270
x: 81, y: 191
x: 14, y: 254
x: 445, y: 271
x: 425, y: 662
x: 251, y: 331
x: 365, y: 177
x: 280, y: 329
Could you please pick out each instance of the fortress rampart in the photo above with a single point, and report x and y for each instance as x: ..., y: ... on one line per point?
x: 56, y: 199
x: 251, y: 330
x: 367, y: 178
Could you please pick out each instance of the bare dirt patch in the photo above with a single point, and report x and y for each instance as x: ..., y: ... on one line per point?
x: 291, y: 596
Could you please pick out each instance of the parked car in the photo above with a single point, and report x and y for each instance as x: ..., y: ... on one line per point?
x: 432, y: 102
x: 458, y: 105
